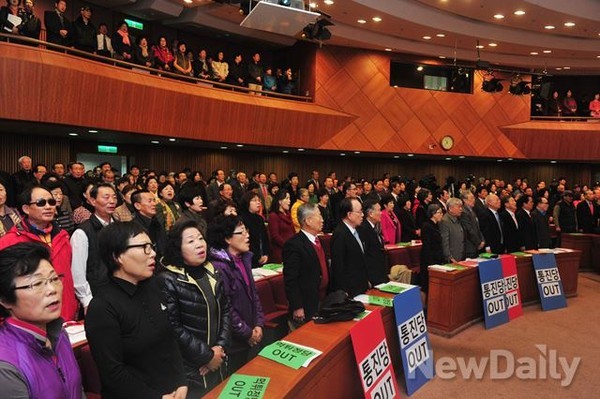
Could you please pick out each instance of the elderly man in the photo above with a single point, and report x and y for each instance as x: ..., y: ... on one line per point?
x: 370, y: 230
x: 491, y: 226
x: 305, y: 272
x: 474, y: 241
x: 541, y: 222
x: 452, y: 232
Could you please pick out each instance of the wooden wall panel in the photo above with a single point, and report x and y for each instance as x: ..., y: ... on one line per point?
x: 358, y: 82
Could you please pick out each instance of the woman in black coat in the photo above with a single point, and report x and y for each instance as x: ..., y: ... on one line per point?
x: 197, y: 307
x: 431, y: 251
x: 259, y: 239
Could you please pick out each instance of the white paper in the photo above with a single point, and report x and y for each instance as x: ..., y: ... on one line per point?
x: 13, y: 19
x: 362, y: 298
x: 76, y: 333
x: 441, y: 268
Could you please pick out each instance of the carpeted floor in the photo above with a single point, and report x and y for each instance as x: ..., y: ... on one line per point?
x: 572, y: 332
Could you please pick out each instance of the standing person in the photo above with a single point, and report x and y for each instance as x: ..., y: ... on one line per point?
x: 540, y: 221
x: 230, y: 254
x: 122, y: 44
x: 510, y: 226
x: 303, y: 198
x: 163, y: 57
x: 526, y: 226
x: 21, y: 179
x: 197, y: 307
x: 31, y: 25
x: 565, y: 214
x: 58, y: 27
x: 84, y: 31
x: 33, y: 344
x: 103, y: 41
x: 167, y: 210
x: 348, y: 265
x: 370, y: 230
x: 452, y: 232
x: 491, y: 225
x: 432, y: 252
x: 255, y: 72
x: 390, y: 224
x: 192, y: 205
x: 323, y: 203
x: 474, y: 241
x: 259, y: 238
x: 39, y: 208
x: 12, y: 8
x: 408, y: 223
x: 127, y: 327
x: 8, y: 216
x: 281, y: 227
x: 587, y: 213
x: 305, y: 272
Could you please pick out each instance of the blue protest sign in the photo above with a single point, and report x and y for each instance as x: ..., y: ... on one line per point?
x: 550, y: 286
x: 491, y: 278
x: 415, y: 347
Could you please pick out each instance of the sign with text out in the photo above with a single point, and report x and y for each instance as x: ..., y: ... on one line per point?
x: 549, y: 283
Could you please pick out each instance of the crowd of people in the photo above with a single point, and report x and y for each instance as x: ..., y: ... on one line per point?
x: 567, y: 106
x: 176, y: 57
x: 159, y: 265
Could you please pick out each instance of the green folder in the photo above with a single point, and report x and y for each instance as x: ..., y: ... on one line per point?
x: 391, y: 288
x: 273, y: 266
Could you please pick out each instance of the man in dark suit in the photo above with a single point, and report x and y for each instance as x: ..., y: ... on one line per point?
x: 480, y: 205
x: 587, y: 214
x: 512, y: 234
x: 370, y: 231
x: 491, y: 226
x: 212, y: 190
x: 305, y: 272
x: 525, y: 205
x: 58, y: 27
x: 348, y: 265
x: 314, y: 179
x: 541, y: 223
x: 474, y: 241
x: 239, y: 185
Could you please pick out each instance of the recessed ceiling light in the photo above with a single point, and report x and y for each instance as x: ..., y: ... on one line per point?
x: 187, y: 1
x: 493, y: 44
x: 569, y: 24
x: 328, y: 2
x: 448, y: 159
x: 410, y: 155
x: 300, y: 149
x: 313, y: 5
x: 396, y: 156
x: 388, y: 49
x: 285, y: 151
x: 598, y: 56
x: 92, y: 131
x: 509, y: 159
x: 462, y: 157
x: 427, y: 37
x: 519, y: 12
x: 547, y: 51
x: 172, y: 139
x: 73, y: 134
x: 480, y: 46
x: 499, y: 16
x: 419, y: 68
x: 155, y: 142
x: 357, y: 152
x: 549, y: 27
x: 558, y: 68
x: 499, y: 160
x: 567, y: 67
x: 440, y: 35
x: 223, y: 147
x: 534, y: 53
x: 361, y: 21
x: 441, y: 56
x: 376, y: 19
x: 343, y: 154
x: 552, y: 161
x: 239, y: 145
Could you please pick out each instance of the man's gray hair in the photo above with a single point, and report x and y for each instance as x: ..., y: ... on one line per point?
x: 306, y: 210
x: 465, y: 195
x: 453, y: 202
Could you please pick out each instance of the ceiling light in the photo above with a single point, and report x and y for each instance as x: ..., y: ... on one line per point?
x: 92, y: 131
x: 313, y: 5
x: 509, y: 159
x: 285, y: 151
x: 410, y: 155
x: 73, y: 134
x: 559, y: 69
x: 388, y: 49
x: 328, y: 2
x: 480, y: 46
x: 427, y: 37
x: 343, y: 154
x: 171, y: 140
x: 376, y: 19
x: 499, y: 16
x: 549, y: 27
x: 499, y: 160
x: 442, y: 56
x: 187, y: 1
x: 361, y: 21
x: 569, y: 24
x: 567, y: 67
x: 420, y: 68
x: 440, y: 35
x: 462, y: 157
x: 357, y: 152
x: 547, y: 51
x: 448, y: 159
x: 493, y: 44
x: 155, y: 142
x: 552, y: 161
x: 534, y: 53
x: 300, y: 149
x: 396, y: 156
x: 223, y: 147
x: 519, y: 12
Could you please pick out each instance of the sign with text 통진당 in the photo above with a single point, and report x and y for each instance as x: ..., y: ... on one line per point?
x: 493, y: 292
x: 242, y: 386
x: 373, y: 357
x: 415, y: 346
x: 549, y: 283
x: 512, y: 291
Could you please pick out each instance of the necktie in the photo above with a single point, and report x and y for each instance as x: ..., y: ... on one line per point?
x: 323, y: 263
x: 378, y: 231
x: 499, y: 227
x: 514, y: 219
x: 591, y: 208
x: 355, y: 234
x: 104, y: 44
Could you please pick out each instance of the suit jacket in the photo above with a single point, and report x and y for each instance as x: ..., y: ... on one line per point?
x: 512, y: 233
x: 453, y: 238
x: 53, y: 26
x: 301, y: 275
x: 479, y: 207
x: 491, y: 231
x: 212, y: 191
x: 238, y: 190
x: 374, y: 253
x: 348, y: 264
x: 409, y: 225
x: 473, y: 236
x: 542, y: 229
x: 586, y: 220
x: 391, y: 232
x: 527, y: 229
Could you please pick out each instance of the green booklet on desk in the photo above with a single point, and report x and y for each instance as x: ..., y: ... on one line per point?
x: 486, y: 255
x: 391, y: 288
x: 276, y: 267
x: 520, y: 254
x: 290, y: 354
x: 380, y: 301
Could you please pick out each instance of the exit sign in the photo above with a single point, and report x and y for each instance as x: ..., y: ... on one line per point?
x: 134, y: 24
x: 107, y: 149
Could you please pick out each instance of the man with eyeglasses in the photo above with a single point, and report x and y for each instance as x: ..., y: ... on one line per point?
x: 89, y: 275
x: 39, y: 207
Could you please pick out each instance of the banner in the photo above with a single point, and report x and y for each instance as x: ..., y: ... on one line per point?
x: 373, y: 358
x: 491, y: 277
x: 415, y: 347
x: 550, y: 286
x: 512, y: 290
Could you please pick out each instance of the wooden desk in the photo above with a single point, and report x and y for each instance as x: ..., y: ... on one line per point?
x: 596, y: 253
x: 455, y: 301
x: 582, y: 242
x: 333, y: 374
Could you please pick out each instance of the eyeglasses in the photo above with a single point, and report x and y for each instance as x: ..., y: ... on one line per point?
x: 39, y: 285
x: 148, y: 247
x: 42, y: 202
x: 241, y: 232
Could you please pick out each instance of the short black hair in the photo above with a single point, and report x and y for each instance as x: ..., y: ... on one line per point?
x: 113, y: 241
x: 18, y: 260
x: 221, y: 229
x: 25, y: 196
x: 173, y: 254
x: 94, y: 191
x: 368, y: 206
x: 136, y: 197
x: 278, y: 197
x: 246, y: 199
x: 322, y: 192
x: 386, y: 199
x: 187, y: 194
x: 523, y: 200
x: 346, y: 206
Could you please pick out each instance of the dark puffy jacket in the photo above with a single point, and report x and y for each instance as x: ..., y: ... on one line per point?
x: 246, y: 310
x: 188, y: 314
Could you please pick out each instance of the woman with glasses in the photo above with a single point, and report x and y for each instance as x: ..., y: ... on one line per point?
x: 259, y: 239
x: 230, y: 254
x: 197, y: 307
x: 431, y: 251
x: 36, y: 359
x: 127, y: 325
x: 39, y: 207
